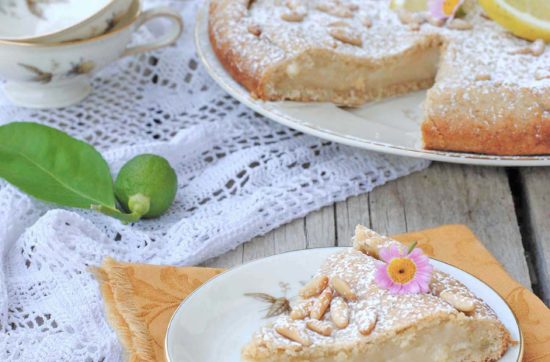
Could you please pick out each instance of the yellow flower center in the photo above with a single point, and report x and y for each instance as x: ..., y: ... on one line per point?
x: 449, y: 6
x: 401, y: 270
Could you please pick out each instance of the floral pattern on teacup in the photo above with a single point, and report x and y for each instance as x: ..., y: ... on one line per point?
x: 40, y: 76
x: 113, y: 21
x: 36, y: 7
x: 82, y: 67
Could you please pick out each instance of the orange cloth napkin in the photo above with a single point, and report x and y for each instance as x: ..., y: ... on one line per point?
x: 140, y: 299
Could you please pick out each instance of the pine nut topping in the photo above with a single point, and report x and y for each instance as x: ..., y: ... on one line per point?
x: 293, y: 16
x: 461, y: 303
x: 302, y: 310
x: 342, y: 288
x: 366, y: 321
x: 459, y: 24
x: 435, y: 22
x: 323, y: 328
x: 346, y: 34
x: 536, y: 48
x: 335, y: 9
x: 413, y: 20
x: 367, y: 22
x: 339, y: 312
x: 255, y: 29
x: 314, y: 287
x: 321, y: 305
x: 483, y: 76
x: 294, y: 334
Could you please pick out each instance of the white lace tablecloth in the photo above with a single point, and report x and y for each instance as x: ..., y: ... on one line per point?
x: 240, y: 175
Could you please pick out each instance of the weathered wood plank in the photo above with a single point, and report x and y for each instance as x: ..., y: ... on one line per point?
x: 320, y: 228
x: 288, y: 237
x: 227, y: 260
x: 444, y: 193
x: 349, y: 213
x: 479, y: 197
x: 536, y: 206
x: 387, y: 210
x: 315, y: 230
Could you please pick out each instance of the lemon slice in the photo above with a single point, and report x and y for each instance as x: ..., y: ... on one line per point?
x: 529, y: 19
x: 410, y: 5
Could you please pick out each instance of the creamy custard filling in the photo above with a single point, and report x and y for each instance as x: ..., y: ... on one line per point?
x: 317, y: 76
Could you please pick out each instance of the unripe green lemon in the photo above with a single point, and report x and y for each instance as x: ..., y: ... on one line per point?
x: 146, y: 185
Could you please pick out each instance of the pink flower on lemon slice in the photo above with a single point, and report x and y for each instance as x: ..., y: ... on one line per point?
x: 403, y: 272
x: 444, y: 9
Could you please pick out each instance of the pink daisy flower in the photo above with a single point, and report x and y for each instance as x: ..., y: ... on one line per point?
x: 403, y: 271
x: 444, y: 9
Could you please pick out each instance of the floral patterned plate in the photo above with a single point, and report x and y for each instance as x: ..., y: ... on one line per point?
x: 218, y: 319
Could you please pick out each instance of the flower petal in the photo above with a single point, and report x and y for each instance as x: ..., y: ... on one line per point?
x: 382, y: 278
x: 424, y: 287
x: 421, y: 279
x: 425, y: 278
x: 396, y: 251
x: 418, y: 256
x: 385, y: 254
x: 436, y: 9
x: 396, y: 289
x: 424, y: 269
x: 412, y: 287
x: 416, y: 252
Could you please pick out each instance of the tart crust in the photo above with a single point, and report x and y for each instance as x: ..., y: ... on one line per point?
x: 486, y: 98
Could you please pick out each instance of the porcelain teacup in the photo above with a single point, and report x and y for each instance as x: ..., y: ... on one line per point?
x: 57, y: 75
x: 59, y: 20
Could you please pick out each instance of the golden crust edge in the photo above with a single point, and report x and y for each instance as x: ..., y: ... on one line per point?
x: 452, y: 130
x: 254, y: 353
x: 228, y: 59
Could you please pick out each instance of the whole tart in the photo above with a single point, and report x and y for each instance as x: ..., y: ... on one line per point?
x: 490, y: 91
x: 343, y: 315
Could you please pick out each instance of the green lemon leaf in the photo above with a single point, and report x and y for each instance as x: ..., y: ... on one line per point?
x: 53, y: 166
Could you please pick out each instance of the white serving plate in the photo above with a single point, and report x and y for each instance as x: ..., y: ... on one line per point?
x: 389, y: 126
x: 214, y: 322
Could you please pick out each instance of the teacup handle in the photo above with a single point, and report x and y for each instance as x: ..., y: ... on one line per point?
x: 172, y: 34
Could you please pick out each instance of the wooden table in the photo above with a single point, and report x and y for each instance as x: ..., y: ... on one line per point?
x: 508, y: 209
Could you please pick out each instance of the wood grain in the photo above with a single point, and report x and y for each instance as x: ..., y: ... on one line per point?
x: 536, y: 196
x: 442, y: 194
x: 349, y: 213
x: 227, y: 260
x: 446, y: 194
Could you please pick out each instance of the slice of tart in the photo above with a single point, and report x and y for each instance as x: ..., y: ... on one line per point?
x: 344, y: 314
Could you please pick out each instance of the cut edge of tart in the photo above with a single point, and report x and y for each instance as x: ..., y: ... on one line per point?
x: 488, y: 90
x: 343, y: 314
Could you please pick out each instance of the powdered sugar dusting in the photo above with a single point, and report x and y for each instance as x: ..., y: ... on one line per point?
x: 480, y: 71
x: 487, y: 48
x: 391, y: 312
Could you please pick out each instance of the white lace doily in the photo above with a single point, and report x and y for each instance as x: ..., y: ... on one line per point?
x: 240, y: 175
